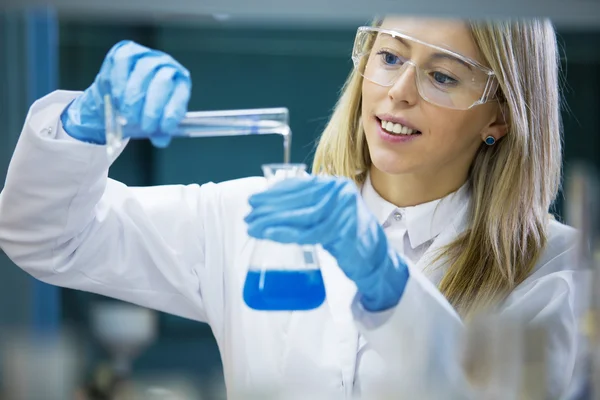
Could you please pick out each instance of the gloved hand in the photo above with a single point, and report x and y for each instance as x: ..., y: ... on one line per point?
x: 330, y: 211
x: 150, y: 90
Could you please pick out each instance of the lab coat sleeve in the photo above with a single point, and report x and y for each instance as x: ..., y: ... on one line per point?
x: 65, y: 223
x: 422, y: 337
x: 417, y: 339
x: 547, y: 300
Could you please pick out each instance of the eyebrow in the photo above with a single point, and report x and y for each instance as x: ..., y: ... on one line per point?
x: 437, y: 55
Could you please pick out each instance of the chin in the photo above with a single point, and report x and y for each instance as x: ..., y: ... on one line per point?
x: 390, y: 160
x: 392, y: 164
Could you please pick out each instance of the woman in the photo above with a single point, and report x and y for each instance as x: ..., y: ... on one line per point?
x: 430, y: 201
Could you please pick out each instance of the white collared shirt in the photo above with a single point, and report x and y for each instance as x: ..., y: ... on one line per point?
x: 411, y: 230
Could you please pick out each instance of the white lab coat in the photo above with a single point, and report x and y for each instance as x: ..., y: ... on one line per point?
x: 183, y: 250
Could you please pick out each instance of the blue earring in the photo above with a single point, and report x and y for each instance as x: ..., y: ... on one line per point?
x: 490, y: 140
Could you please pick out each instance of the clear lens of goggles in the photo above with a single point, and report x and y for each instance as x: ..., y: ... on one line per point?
x: 443, y: 77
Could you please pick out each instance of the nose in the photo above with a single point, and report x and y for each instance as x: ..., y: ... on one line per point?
x: 405, y: 90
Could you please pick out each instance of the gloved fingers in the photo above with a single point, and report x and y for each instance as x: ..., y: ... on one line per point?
x: 303, y: 218
x: 306, y: 226
x: 287, y: 234
x: 137, y: 86
x: 294, y: 192
x: 173, y: 111
x: 307, y: 197
x: 342, y: 225
x: 321, y: 233
x: 159, y: 92
x: 160, y: 139
x: 358, y: 242
x: 318, y: 200
x: 289, y: 188
x: 177, y: 105
x: 118, y: 66
x: 301, y: 214
x: 306, y: 192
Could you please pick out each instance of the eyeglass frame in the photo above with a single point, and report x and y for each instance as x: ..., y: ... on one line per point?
x: 489, y: 86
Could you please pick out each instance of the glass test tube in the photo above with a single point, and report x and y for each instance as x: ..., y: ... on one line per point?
x: 259, y: 121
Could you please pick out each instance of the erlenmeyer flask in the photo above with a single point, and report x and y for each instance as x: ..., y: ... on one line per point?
x: 283, y: 277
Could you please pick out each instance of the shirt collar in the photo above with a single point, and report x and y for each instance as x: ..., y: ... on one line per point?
x: 423, y: 222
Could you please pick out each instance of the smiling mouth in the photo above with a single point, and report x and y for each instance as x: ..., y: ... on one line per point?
x: 397, y: 129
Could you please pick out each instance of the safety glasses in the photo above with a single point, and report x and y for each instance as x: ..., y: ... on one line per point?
x: 443, y: 77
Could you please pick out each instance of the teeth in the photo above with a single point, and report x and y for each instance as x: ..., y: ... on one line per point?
x: 397, y: 129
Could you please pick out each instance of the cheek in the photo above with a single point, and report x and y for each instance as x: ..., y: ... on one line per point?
x: 450, y: 129
x: 372, y: 95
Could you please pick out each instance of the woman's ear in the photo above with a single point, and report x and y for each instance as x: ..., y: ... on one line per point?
x: 498, y: 126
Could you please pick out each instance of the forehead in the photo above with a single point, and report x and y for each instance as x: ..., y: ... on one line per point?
x: 447, y: 33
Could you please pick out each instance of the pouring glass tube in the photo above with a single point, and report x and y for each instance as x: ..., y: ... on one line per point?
x: 259, y: 121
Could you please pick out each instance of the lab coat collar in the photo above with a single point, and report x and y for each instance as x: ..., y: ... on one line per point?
x: 424, y: 222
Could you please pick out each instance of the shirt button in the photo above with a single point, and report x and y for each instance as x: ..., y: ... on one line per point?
x: 397, y: 216
x: 47, y: 131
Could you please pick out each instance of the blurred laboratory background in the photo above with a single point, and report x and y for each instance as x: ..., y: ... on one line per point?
x: 234, y: 64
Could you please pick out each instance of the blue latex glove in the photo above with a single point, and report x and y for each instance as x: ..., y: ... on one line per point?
x: 330, y: 211
x: 149, y: 88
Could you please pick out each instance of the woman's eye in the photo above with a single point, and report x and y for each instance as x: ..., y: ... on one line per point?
x: 443, y: 79
x: 389, y: 58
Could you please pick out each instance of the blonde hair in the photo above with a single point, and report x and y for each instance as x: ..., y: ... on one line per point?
x: 513, y: 183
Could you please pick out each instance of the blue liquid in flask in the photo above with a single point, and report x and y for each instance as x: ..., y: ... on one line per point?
x: 284, y: 290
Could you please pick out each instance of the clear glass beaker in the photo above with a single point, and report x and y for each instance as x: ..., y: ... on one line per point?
x: 283, y: 277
